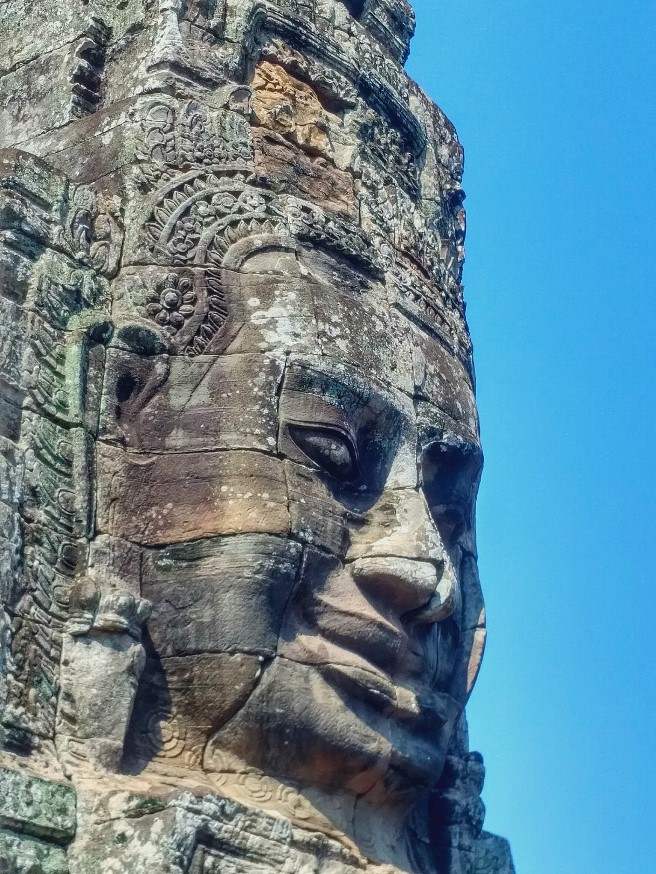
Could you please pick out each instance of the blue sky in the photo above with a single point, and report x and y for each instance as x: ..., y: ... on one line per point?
x: 555, y: 105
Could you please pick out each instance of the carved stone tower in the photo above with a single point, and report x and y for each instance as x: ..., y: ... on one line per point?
x: 240, y: 614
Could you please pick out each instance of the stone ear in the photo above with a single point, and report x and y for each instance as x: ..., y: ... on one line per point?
x: 135, y: 368
x: 123, y: 364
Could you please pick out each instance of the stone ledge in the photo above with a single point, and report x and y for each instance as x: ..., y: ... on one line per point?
x: 37, y: 807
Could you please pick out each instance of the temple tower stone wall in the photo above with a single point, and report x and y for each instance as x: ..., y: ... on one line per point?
x: 239, y: 449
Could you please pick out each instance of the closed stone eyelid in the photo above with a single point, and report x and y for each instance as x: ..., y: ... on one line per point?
x: 328, y: 431
x: 330, y: 427
x: 465, y: 455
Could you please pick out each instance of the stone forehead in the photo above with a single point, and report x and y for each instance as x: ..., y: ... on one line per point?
x: 272, y: 315
x: 224, y: 217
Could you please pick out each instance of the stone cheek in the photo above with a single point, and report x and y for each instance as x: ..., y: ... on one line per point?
x: 240, y: 613
x: 154, y: 500
x: 224, y: 594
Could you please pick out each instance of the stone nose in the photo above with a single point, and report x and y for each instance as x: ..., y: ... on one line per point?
x: 403, y: 584
x: 398, y: 558
x: 398, y: 525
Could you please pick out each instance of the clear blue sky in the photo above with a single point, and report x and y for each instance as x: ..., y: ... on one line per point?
x: 556, y: 106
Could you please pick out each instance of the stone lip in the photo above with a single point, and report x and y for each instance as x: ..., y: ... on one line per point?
x: 493, y: 855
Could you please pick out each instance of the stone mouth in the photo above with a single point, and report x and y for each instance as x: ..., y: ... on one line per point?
x: 404, y: 693
x: 379, y: 692
x: 364, y: 631
x: 420, y: 720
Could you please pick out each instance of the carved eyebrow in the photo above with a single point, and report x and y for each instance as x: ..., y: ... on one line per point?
x: 449, y: 442
x: 313, y: 396
x: 306, y: 378
x: 348, y: 391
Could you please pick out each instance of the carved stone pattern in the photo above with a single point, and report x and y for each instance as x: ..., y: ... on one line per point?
x: 87, y: 77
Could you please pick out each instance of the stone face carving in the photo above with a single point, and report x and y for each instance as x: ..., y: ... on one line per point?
x: 239, y: 450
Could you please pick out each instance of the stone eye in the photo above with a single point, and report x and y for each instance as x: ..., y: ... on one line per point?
x: 451, y: 471
x: 329, y: 449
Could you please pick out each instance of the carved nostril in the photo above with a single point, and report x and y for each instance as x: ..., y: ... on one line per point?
x: 402, y: 583
x: 442, y: 604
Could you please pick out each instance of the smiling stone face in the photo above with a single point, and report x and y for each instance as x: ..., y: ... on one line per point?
x: 300, y: 507
x: 240, y: 611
